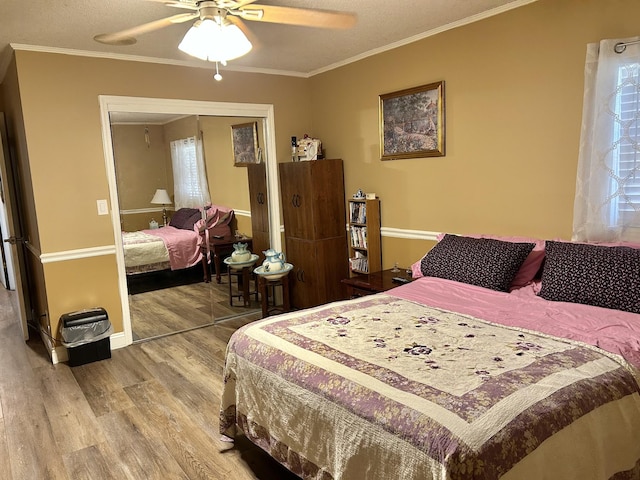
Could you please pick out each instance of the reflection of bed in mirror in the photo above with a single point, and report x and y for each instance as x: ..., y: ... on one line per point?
x: 177, y: 247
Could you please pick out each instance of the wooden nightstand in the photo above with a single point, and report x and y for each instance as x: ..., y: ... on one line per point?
x: 376, y: 282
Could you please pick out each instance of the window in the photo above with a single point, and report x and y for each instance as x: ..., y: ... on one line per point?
x: 607, y: 203
x: 625, y: 185
x: 190, y: 185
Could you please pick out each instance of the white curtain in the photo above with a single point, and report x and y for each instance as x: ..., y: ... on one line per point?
x: 607, y: 203
x: 190, y: 185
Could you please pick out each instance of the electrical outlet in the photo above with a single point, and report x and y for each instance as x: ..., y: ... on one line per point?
x: 103, y: 209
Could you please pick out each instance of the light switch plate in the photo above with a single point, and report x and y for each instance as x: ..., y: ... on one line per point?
x: 103, y: 209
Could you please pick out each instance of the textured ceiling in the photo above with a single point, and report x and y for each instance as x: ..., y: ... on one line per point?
x: 71, y: 25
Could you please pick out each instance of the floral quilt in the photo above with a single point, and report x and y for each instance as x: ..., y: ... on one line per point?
x: 144, y: 252
x: 382, y: 387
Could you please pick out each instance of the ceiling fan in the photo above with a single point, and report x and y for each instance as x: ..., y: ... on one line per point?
x: 225, y: 16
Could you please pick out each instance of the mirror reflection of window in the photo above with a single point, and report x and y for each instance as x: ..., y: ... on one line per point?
x: 190, y: 184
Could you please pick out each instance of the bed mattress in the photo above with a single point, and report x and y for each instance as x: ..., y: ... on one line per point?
x: 161, y: 248
x: 438, y: 379
x: 144, y: 252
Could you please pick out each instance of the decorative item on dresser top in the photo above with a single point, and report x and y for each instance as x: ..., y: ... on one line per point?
x: 313, y: 207
x: 365, y: 253
x: 306, y: 149
x: 470, y: 372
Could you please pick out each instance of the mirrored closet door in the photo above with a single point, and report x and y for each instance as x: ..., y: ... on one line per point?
x: 181, y: 192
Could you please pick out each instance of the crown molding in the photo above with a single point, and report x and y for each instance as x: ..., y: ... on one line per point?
x: 137, y: 58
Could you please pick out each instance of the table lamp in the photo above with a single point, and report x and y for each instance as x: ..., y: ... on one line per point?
x: 161, y: 197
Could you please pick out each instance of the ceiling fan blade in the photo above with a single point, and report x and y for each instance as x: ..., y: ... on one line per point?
x: 193, y: 4
x: 246, y: 30
x: 296, y: 16
x: 190, y: 5
x: 127, y: 37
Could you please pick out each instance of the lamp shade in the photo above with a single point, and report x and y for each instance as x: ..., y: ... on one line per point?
x: 216, y: 42
x: 161, y: 197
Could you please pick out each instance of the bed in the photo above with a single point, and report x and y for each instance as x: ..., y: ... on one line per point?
x: 178, y: 245
x: 476, y: 369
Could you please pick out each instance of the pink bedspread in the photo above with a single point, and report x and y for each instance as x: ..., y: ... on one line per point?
x: 612, y: 330
x: 183, y: 246
x: 415, y: 383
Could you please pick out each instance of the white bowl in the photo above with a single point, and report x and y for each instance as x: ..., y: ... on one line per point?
x: 275, y: 275
x: 240, y: 265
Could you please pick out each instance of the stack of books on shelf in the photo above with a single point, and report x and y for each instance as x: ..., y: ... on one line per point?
x: 359, y: 237
x: 359, y: 263
x: 358, y: 212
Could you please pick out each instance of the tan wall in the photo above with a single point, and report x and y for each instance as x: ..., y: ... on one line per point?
x: 59, y: 95
x: 88, y: 282
x: 514, y: 87
x: 140, y: 170
x: 183, y: 128
x: 229, y: 184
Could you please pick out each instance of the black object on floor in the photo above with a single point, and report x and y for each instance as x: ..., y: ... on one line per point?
x: 147, y: 282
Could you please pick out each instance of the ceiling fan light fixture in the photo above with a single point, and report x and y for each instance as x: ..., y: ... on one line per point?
x: 215, y: 41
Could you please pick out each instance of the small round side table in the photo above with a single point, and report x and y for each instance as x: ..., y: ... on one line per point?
x: 267, y: 289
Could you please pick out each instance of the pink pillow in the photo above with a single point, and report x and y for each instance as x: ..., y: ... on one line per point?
x: 527, y: 271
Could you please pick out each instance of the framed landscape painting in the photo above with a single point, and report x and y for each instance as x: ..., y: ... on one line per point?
x: 412, y: 123
x: 244, y: 138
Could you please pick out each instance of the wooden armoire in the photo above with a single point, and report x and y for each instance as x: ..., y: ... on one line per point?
x: 313, y: 209
x: 257, y: 176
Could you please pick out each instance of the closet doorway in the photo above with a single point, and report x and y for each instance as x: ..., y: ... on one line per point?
x: 189, y: 116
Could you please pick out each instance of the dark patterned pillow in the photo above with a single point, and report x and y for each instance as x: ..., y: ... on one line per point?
x: 484, y: 262
x: 185, y: 218
x: 606, y: 277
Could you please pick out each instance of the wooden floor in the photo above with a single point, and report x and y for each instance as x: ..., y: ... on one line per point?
x: 149, y: 412
x: 178, y: 308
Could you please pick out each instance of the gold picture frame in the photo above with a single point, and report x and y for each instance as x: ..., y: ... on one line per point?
x: 412, y: 123
x: 244, y: 140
